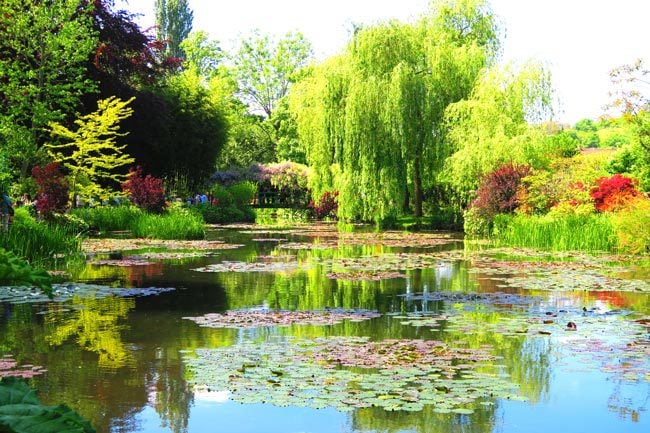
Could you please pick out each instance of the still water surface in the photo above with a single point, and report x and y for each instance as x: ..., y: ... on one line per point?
x: 119, y: 360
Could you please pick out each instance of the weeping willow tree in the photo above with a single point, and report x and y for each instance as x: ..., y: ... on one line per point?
x: 371, y: 119
x: 499, y: 123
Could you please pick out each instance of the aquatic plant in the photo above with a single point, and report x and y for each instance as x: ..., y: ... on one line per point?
x: 65, y: 292
x: 39, y: 243
x: 561, y: 232
x: 9, y: 367
x: 96, y: 245
x: 108, y: 218
x: 350, y: 372
x: 180, y: 224
x: 260, y: 318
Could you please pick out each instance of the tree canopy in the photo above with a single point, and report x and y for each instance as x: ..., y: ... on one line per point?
x: 371, y: 119
x: 174, y: 23
x: 44, y: 52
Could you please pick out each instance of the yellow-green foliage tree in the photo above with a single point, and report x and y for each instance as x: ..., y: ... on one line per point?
x: 492, y: 126
x: 91, y: 153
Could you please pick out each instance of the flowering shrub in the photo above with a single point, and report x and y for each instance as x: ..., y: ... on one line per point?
x: 146, y: 192
x: 614, y: 192
x: 288, y: 178
x: 327, y: 205
x: 498, y: 191
x: 574, y: 199
x: 52, y: 195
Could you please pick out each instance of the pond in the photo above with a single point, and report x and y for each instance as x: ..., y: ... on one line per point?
x: 306, y: 329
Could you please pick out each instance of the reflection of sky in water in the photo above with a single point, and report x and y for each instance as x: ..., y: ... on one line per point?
x: 217, y: 417
x: 581, y: 402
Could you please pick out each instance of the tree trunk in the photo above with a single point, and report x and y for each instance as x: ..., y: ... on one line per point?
x: 417, y: 186
x: 406, y: 205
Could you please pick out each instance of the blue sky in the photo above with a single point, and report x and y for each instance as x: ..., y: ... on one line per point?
x: 580, y: 41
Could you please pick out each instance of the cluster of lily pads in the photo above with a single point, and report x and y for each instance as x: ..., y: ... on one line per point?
x: 591, y: 335
x: 351, y: 372
x: 484, y: 299
x: 260, y: 318
x: 94, y: 245
x: 9, y: 367
x: 265, y: 266
x: 365, y: 275
x: 65, y: 292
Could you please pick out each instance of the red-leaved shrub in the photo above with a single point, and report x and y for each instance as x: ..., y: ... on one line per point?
x: 146, y: 192
x: 614, y: 192
x: 498, y: 191
x: 327, y: 205
x: 52, y: 195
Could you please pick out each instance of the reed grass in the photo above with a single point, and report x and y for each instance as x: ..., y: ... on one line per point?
x: 40, y: 243
x: 172, y: 225
x: 595, y: 232
x: 108, y: 218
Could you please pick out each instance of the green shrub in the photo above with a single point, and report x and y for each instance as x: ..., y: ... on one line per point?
x: 222, y: 195
x: 633, y: 227
x: 475, y: 224
x: 242, y: 193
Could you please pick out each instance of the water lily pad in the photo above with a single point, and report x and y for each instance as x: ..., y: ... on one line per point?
x: 347, y: 371
x: 257, y: 318
x: 107, y: 245
x: 364, y: 276
x: 65, y: 292
x: 264, y: 266
x: 122, y: 262
x: 9, y: 367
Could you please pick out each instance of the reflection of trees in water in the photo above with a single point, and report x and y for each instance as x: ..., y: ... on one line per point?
x: 94, y: 325
x: 161, y: 337
x: 74, y: 376
x: 626, y: 405
x: 128, y: 276
x: 377, y: 420
x: 168, y: 393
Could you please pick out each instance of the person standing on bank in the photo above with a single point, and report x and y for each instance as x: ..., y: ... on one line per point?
x: 6, y: 211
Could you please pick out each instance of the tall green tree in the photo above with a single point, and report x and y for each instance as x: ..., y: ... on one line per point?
x: 265, y: 68
x: 202, y: 55
x: 174, y: 23
x: 45, y: 49
x: 197, y: 129
x: 372, y: 119
x: 262, y: 72
x: 493, y: 125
